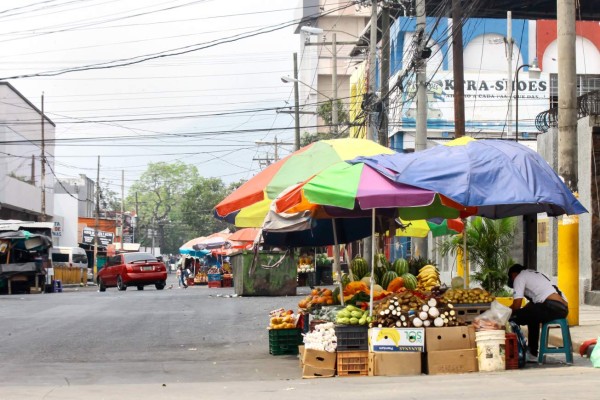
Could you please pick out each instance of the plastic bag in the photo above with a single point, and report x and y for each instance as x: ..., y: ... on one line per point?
x: 493, y: 319
x: 595, y: 356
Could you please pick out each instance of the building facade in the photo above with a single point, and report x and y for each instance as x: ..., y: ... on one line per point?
x: 25, y: 194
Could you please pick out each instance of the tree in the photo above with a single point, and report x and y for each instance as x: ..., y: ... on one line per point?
x: 110, y: 203
x: 160, y: 190
x: 325, y: 112
x: 198, y: 203
x: 488, y: 246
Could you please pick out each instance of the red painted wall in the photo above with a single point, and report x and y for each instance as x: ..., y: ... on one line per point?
x: 547, y: 32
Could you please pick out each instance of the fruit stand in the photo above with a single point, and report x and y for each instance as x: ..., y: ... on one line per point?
x: 417, y: 325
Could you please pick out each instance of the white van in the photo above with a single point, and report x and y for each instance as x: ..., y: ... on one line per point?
x: 74, y: 257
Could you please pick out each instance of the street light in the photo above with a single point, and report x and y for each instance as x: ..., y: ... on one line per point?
x: 534, y: 73
x: 296, y: 81
x: 288, y: 79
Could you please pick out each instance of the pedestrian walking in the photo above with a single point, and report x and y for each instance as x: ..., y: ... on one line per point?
x: 179, y: 275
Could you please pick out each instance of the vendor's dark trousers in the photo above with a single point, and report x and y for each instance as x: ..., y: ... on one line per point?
x: 534, y: 314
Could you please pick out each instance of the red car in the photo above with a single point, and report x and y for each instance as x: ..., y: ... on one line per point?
x: 132, y: 269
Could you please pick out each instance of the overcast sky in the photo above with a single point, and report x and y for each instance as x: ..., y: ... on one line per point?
x: 162, y: 109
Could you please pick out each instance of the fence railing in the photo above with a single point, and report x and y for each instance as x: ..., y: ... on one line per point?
x: 587, y: 104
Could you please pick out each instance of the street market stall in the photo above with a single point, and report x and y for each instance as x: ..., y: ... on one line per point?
x: 459, y: 329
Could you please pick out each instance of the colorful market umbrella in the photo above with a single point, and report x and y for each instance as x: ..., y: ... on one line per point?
x: 437, y: 227
x: 501, y: 178
x: 249, y: 204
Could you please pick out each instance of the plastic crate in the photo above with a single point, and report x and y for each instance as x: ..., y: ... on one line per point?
x: 353, y: 363
x: 284, y: 341
x: 511, y: 352
x: 352, y: 337
x: 468, y: 312
x: 227, y: 282
x: 214, y: 284
x: 214, y: 277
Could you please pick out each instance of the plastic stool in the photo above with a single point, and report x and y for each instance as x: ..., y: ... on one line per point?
x: 567, y: 346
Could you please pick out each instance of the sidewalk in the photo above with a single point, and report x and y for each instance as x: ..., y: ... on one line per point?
x: 588, y: 328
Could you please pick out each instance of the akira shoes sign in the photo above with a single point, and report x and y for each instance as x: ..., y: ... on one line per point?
x: 486, y: 102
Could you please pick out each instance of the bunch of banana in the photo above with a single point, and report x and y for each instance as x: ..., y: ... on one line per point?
x: 428, y: 278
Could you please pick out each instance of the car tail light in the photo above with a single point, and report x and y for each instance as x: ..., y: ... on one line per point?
x: 129, y: 268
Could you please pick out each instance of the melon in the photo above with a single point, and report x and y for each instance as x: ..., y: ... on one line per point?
x: 387, y: 278
x: 410, y: 281
x: 401, y: 266
x: 359, y: 268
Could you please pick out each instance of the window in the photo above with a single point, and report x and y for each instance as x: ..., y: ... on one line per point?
x: 80, y: 258
x: 133, y: 257
x: 585, y: 84
x: 59, y: 257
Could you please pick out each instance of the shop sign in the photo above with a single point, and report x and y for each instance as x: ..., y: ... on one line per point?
x: 104, y: 238
x: 485, y: 100
x: 57, y: 229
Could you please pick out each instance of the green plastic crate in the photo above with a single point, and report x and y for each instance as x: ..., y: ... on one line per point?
x: 284, y: 341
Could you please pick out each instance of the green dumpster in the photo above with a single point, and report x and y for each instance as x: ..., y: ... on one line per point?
x: 273, y: 273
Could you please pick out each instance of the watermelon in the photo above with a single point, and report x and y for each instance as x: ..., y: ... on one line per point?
x: 345, y: 280
x: 387, y: 278
x: 401, y: 266
x: 359, y: 268
x: 410, y: 281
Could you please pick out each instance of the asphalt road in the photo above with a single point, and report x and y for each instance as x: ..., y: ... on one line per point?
x: 203, y: 343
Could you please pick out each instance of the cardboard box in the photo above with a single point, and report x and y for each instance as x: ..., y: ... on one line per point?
x: 395, y: 363
x: 396, y: 339
x: 301, y: 351
x: 450, y: 338
x: 452, y: 361
x: 319, y: 359
x: 309, y: 372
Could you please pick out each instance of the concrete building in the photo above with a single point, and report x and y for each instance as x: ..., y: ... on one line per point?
x: 21, y: 183
x: 315, y: 59
x: 83, y: 189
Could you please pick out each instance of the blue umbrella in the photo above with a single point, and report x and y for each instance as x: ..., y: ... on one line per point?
x: 500, y: 178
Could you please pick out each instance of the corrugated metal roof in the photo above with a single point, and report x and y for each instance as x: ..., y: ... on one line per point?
x: 15, y: 225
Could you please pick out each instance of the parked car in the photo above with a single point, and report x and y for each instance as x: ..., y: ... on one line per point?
x: 132, y: 269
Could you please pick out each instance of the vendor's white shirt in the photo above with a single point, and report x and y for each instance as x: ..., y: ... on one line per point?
x: 534, y: 285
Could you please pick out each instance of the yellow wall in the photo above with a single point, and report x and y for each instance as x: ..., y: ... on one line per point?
x: 358, y: 87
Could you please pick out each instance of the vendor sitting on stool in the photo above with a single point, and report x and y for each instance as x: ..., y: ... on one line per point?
x: 545, y: 303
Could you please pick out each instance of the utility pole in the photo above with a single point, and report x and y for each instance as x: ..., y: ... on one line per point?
x: 368, y: 253
x: 568, y: 227
x: 122, y: 205
x: 276, y: 145
x: 509, y: 53
x: 296, y: 106
x: 567, y: 94
x: 136, y: 232
x: 420, y: 245
x: 458, y: 69
x: 421, y: 81
x: 385, y: 74
x: 97, y: 220
x: 334, y: 105
x: 32, y: 181
x: 43, y: 159
x: 372, y: 89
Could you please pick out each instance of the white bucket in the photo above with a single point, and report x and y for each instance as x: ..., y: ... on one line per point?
x: 490, y: 350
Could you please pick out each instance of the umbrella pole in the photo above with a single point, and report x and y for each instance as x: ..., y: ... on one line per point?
x: 372, y: 264
x: 336, y: 260
x: 464, y: 258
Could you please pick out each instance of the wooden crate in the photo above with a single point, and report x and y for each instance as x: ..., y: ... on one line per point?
x: 353, y: 363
